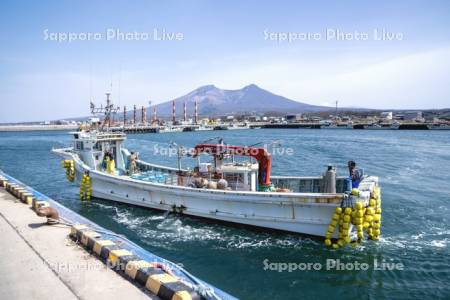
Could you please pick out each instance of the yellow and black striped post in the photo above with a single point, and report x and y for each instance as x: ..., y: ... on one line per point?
x: 166, y: 286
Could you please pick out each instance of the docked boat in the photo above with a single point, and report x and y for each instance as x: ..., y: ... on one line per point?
x: 232, y: 126
x: 168, y: 129
x: 233, y: 185
x: 348, y: 125
x: 204, y: 128
x: 377, y: 126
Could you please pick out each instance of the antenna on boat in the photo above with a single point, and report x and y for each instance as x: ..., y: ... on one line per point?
x: 180, y: 153
x: 108, y: 111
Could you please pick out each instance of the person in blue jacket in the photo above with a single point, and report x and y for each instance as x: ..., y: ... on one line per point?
x: 355, y: 174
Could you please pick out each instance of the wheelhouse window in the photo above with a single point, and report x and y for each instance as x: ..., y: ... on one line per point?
x: 97, y: 146
x: 79, y: 145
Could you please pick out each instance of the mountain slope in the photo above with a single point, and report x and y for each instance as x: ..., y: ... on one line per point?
x: 215, y: 101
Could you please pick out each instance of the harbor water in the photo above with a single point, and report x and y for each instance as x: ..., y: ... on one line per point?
x: 411, y: 260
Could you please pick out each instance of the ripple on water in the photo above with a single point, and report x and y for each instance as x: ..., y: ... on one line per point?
x: 413, y: 169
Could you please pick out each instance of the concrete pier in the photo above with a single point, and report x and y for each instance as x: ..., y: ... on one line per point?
x: 39, y: 261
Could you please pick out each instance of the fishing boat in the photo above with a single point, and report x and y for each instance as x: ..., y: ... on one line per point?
x: 383, y: 126
x: 168, y: 129
x: 223, y: 188
x: 202, y: 127
x: 348, y: 125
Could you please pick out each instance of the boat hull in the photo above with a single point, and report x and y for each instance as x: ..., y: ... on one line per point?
x: 298, y: 212
x: 303, y: 213
x: 282, y: 214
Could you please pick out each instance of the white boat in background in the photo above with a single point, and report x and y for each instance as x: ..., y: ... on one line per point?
x: 204, y: 128
x: 377, y: 126
x: 337, y: 126
x: 235, y: 126
x: 234, y: 185
x: 166, y: 129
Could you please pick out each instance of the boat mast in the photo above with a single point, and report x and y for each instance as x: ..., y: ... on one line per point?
x: 109, y: 110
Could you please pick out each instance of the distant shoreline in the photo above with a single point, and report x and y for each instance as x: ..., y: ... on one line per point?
x: 12, y: 128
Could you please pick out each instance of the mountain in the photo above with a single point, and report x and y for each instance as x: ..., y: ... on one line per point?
x: 213, y: 101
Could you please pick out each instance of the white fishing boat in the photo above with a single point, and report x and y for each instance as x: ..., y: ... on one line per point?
x: 377, y: 126
x: 204, y: 128
x: 168, y: 129
x: 235, y: 126
x: 232, y: 126
x: 348, y: 125
x: 223, y: 188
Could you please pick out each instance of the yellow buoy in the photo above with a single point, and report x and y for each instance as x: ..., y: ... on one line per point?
x: 355, y: 192
x: 358, y: 221
x: 85, y: 187
x: 358, y: 205
x: 368, y: 218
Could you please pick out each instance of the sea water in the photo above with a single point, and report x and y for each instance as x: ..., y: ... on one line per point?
x: 411, y: 260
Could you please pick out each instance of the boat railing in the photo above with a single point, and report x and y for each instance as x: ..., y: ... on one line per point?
x: 145, y: 166
x: 307, y: 184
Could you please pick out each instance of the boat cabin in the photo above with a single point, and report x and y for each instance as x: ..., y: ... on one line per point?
x: 250, y: 175
x: 93, y: 146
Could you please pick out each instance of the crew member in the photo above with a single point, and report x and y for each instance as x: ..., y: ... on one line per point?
x: 132, y: 166
x: 354, y: 174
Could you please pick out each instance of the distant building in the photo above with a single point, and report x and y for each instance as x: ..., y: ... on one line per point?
x: 399, y: 117
x: 416, y: 116
x: 315, y: 119
x: 326, y: 122
x: 386, y: 115
x: 254, y: 118
x: 293, y: 118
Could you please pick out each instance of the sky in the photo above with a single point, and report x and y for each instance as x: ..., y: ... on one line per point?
x: 372, y: 54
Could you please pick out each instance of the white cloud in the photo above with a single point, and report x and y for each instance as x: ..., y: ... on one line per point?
x: 419, y: 80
